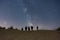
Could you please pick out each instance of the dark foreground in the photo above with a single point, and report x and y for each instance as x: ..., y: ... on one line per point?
x: 29, y: 35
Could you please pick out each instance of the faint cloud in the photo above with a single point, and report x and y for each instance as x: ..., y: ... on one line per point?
x: 25, y: 10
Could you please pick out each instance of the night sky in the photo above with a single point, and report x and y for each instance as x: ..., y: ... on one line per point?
x: 21, y: 13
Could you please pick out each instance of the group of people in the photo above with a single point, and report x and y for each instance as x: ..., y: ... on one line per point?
x: 29, y: 28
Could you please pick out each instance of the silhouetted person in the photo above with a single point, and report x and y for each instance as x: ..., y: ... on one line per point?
x: 21, y: 29
x: 3, y: 28
x: 11, y: 27
x: 26, y: 28
x: 37, y: 27
x: 0, y: 27
x: 31, y: 27
x: 58, y: 29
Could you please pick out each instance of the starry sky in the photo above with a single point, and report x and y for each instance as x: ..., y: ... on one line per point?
x: 21, y: 13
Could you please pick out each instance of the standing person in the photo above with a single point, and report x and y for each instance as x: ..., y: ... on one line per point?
x: 21, y: 29
x: 31, y: 27
x: 37, y: 27
x: 26, y: 28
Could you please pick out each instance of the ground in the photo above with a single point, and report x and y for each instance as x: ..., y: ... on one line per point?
x: 29, y: 35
